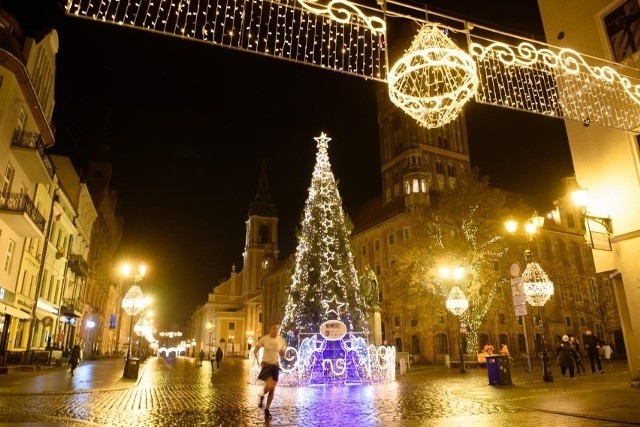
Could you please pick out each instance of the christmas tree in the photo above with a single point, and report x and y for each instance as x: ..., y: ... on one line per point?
x: 324, y: 285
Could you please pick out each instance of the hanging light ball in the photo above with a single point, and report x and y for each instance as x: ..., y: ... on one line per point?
x: 434, y: 79
x: 537, y: 286
x: 457, y: 303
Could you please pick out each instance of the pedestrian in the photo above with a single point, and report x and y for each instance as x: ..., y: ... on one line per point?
x: 565, y: 359
x: 201, y: 355
x: 274, y: 348
x: 578, y: 354
x: 219, y: 356
x: 504, y: 350
x: 607, y: 352
x: 592, y: 345
x: 74, y: 358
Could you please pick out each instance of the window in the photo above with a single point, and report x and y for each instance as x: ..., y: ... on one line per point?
x: 577, y: 292
x: 390, y: 239
x: 406, y: 233
x: 623, y: 30
x: 7, y: 179
x: 567, y: 320
x: 9, y: 256
x: 376, y: 245
x: 440, y: 318
x: 439, y: 167
x: 414, y: 323
x: 232, y: 326
x: 363, y: 250
x: 378, y: 269
x: 522, y: 344
x: 451, y: 170
x: 501, y: 318
x: 583, y: 321
x: 442, y: 344
x: 396, y: 321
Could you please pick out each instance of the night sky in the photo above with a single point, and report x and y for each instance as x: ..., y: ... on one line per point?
x: 188, y: 124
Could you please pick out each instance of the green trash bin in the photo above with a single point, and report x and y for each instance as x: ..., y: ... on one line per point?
x: 133, y: 365
x: 498, y: 369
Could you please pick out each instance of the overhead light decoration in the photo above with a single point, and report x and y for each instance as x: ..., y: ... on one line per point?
x: 434, y: 79
x: 537, y: 286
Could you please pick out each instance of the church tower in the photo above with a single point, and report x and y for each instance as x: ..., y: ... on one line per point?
x: 261, y: 242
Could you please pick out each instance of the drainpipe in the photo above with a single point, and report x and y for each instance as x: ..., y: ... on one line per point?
x: 32, y: 326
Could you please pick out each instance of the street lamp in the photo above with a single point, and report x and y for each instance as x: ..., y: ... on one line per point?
x: 212, y: 328
x: 600, y: 238
x: 457, y: 303
x: 133, y: 303
x: 537, y: 290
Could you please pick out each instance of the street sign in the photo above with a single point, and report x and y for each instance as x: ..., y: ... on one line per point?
x: 519, y: 299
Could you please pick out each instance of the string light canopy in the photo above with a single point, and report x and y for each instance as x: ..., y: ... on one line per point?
x: 431, y: 82
x: 434, y: 79
x: 537, y: 286
x: 457, y: 302
x: 134, y: 302
x: 338, y: 36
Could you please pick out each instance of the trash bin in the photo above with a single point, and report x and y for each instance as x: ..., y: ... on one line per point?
x: 498, y: 369
x: 133, y: 365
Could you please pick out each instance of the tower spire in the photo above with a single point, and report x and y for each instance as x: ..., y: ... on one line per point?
x: 262, y: 204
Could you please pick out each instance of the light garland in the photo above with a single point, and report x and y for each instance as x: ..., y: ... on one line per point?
x: 556, y: 82
x: 457, y: 303
x: 537, y: 286
x: 433, y: 80
x: 134, y: 302
x: 338, y: 36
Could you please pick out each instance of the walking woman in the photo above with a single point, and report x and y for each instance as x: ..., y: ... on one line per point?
x: 74, y: 358
x: 566, y: 357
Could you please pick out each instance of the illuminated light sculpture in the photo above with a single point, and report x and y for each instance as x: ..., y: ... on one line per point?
x: 434, y: 79
x: 537, y: 291
x: 132, y: 303
x: 537, y: 286
x: 457, y: 303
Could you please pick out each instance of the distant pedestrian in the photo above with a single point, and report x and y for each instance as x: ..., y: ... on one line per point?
x: 201, y: 355
x: 592, y: 345
x: 504, y: 350
x: 607, y: 352
x: 274, y: 348
x: 74, y: 358
x: 566, y: 359
x: 219, y: 356
x: 578, y: 354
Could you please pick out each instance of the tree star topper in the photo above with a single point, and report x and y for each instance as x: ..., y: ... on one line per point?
x: 323, y: 142
x: 332, y: 305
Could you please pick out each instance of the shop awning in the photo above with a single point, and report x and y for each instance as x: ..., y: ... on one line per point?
x: 7, y: 309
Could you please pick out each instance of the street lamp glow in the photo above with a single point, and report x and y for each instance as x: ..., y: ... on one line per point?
x: 580, y: 198
x: 511, y: 225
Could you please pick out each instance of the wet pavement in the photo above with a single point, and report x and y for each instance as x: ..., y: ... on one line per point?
x: 177, y: 392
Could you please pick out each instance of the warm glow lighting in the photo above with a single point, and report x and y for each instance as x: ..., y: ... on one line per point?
x: 337, y: 35
x: 91, y: 324
x: 537, y: 286
x: 457, y: 302
x: 530, y: 228
x: 434, y: 79
x: 511, y: 225
x: 580, y: 198
x: 134, y: 302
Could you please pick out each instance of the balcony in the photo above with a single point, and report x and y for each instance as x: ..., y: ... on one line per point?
x: 71, y: 307
x: 28, y: 148
x: 19, y: 213
x: 78, y: 265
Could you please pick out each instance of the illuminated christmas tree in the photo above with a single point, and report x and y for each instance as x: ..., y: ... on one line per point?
x: 324, y: 285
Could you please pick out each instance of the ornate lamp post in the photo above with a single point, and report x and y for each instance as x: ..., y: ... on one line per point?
x: 133, y: 303
x: 457, y: 303
x: 537, y: 290
x: 212, y: 329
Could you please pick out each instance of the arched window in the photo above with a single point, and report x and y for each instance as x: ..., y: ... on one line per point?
x: 522, y: 344
x: 483, y: 339
x: 264, y: 234
x: 504, y: 339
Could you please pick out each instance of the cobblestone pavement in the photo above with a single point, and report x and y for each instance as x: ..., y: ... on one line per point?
x: 176, y: 392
